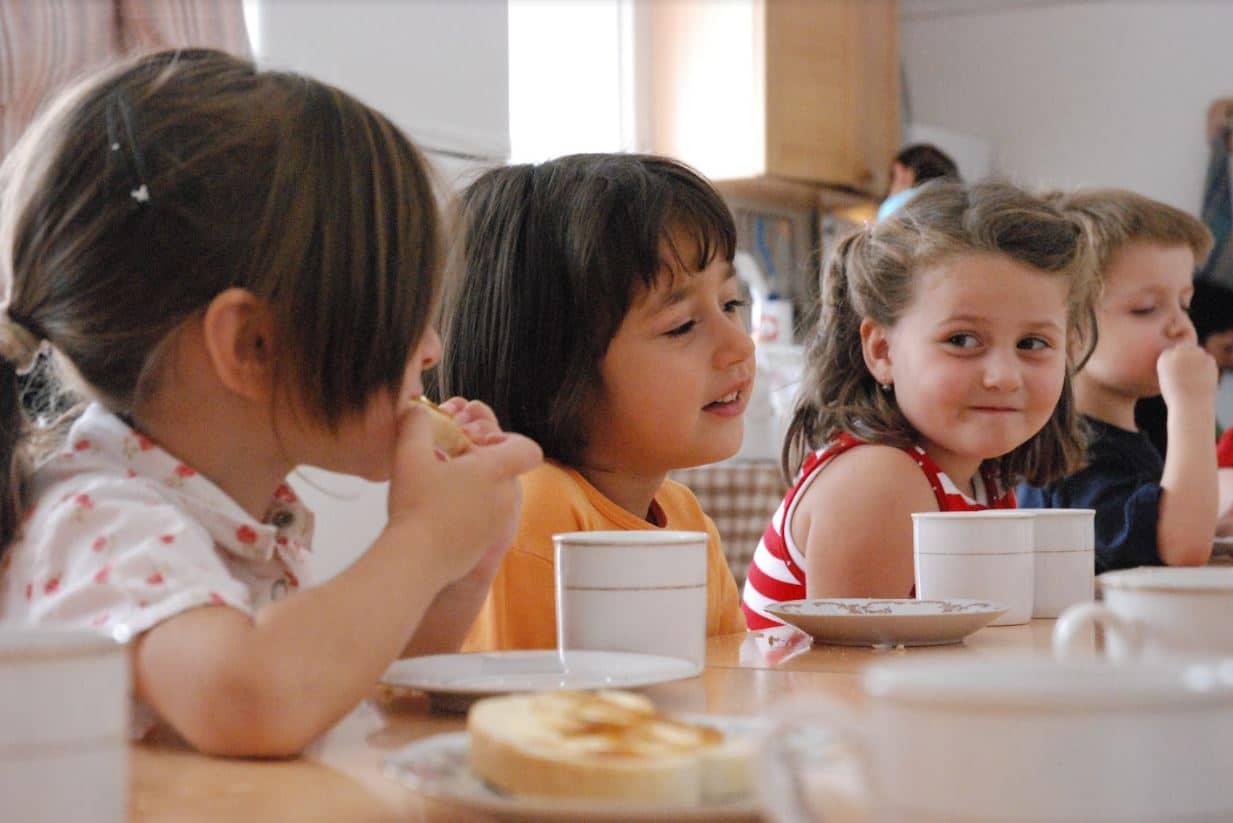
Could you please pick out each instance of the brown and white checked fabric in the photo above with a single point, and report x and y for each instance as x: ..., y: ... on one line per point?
x: 740, y: 496
x: 45, y: 44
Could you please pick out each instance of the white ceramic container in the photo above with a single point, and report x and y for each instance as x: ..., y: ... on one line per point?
x: 980, y: 555
x: 1064, y: 559
x: 64, y: 720
x: 1157, y: 612
x: 1024, y: 740
x: 632, y: 591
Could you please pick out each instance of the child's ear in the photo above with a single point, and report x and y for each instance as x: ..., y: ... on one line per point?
x: 238, y: 330
x: 875, y: 346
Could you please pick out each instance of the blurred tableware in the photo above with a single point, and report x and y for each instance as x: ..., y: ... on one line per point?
x: 981, y: 555
x: 64, y: 720
x: 1021, y: 740
x: 1156, y: 611
x: 439, y: 767
x: 1064, y: 559
x: 1222, y: 546
x: 454, y: 681
x: 632, y: 591
x: 887, y: 622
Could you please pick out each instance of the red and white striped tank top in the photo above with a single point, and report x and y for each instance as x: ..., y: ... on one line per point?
x: 777, y: 570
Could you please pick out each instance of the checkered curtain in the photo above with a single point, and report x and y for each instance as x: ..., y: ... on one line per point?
x: 44, y: 44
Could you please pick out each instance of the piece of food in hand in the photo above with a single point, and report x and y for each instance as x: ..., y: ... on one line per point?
x: 447, y: 435
x: 606, y: 744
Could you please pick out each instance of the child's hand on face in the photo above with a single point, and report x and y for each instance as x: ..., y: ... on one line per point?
x: 1187, y: 374
x: 471, y: 501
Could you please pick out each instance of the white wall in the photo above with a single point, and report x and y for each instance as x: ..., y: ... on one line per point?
x: 1075, y: 93
x: 439, y: 70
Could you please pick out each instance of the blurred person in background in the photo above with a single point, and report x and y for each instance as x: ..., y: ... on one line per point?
x: 912, y: 166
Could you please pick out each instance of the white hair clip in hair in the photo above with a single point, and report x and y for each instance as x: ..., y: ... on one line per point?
x: 141, y: 194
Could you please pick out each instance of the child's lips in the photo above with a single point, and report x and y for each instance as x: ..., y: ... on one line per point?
x: 731, y: 404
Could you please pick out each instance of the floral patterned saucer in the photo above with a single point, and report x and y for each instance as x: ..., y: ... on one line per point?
x: 887, y: 622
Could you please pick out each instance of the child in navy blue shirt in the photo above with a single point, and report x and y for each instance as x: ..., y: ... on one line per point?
x: 1149, y: 510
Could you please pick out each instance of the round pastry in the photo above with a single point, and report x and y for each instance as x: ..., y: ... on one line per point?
x: 446, y: 434
x: 604, y: 744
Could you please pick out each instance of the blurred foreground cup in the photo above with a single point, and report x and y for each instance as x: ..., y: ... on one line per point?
x: 64, y: 720
x: 1156, y: 612
x: 1026, y: 740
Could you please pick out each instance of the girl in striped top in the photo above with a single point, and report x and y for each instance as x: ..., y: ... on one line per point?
x: 939, y: 375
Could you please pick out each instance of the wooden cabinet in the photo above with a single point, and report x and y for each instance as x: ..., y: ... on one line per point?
x: 805, y: 90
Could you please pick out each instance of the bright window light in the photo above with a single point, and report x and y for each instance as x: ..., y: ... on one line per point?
x: 568, y: 75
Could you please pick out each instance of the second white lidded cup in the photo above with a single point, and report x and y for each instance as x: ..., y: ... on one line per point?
x: 1065, y: 559
x: 632, y: 591
x: 985, y: 555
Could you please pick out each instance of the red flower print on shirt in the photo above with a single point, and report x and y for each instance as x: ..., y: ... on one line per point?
x: 246, y: 534
x: 285, y: 494
x: 81, y: 445
x: 167, y: 538
x: 155, y: 579
x: 144, y: 443
x: 131, y: 473
x: 51, y: 585
x: 217, y: 599
x: 184, y: 471
x: 100, y: 620
x: 84, y: 501
x: 102, y: 574
x: 99, y: 543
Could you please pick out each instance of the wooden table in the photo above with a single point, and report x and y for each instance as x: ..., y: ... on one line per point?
x: 340, y: 779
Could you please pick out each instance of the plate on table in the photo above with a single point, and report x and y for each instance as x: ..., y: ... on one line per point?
x: 454, y: 681
x: 439, y: 767
x: 887, y: 622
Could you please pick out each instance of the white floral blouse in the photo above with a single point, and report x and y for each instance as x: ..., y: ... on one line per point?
x: 121, y: 536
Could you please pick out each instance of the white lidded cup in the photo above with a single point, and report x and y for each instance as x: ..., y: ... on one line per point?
x: 1020, y: 740
x: 979, y: 555
x: 64, y: 725
x: 1156, y: 612
x: 1065, y: 559
x: 632, y: 591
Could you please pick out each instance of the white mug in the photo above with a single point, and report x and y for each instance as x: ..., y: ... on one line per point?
x: 1025, y: 740
x: 64, y: 725
x: 1157, y: 612
x: 632, y: 591
x: 981, y: 555
x: 1064, y: 559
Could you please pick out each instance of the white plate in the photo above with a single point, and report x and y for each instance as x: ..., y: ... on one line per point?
x: 454, y: 681
x: 439, y: 767
x: 887, y: 622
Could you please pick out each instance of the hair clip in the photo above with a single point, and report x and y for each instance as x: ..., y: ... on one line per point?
x: 121, y: 132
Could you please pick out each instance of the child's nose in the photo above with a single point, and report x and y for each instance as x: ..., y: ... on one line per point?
x: 428, y: 352
x: 1182, y: 329
x: 1002, y: 372
x: 735, y: 347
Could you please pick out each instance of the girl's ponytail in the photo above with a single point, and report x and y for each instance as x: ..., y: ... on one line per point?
x: 19, y: 351
x: 833, y: 352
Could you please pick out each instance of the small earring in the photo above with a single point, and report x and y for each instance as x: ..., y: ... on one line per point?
x: 886, y: 387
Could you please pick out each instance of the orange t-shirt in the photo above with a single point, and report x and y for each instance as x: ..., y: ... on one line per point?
x: 520, y: 612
